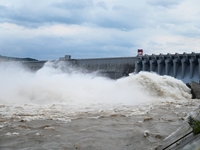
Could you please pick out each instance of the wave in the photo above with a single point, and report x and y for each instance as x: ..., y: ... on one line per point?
x: 61, y: 83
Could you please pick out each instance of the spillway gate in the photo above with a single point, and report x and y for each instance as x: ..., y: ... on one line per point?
x: 185, y: 67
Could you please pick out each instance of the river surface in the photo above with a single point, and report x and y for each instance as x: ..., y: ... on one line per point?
x: 59, y: 107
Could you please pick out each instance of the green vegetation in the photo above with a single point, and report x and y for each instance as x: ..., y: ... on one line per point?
x: 5, y: 58
x: 195, y: 124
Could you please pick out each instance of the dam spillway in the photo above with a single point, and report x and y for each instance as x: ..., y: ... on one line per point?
x: 114, y: 67
x: 185, y: 67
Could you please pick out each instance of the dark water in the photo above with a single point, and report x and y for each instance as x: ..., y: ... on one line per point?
x: 97, y: 130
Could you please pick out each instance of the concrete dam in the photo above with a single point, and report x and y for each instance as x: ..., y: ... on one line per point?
x: 185, y: 67
x: 113, y: 68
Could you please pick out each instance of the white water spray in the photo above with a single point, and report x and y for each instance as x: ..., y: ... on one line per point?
x: 56, y: 85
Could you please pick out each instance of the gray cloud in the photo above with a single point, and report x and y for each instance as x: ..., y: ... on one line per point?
x: 71, y: 12
x: 118, y: 7
x: 74, y: 5
x: 2, y: 7
x: 96, y: 28
x: 102, y: 4
x: 165, y: 3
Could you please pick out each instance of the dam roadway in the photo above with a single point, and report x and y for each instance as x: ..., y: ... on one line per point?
x: 185, y: 67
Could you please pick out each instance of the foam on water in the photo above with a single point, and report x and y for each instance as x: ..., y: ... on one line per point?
x: 57, y: 87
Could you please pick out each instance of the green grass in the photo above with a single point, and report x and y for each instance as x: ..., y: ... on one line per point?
x: 194, y: 124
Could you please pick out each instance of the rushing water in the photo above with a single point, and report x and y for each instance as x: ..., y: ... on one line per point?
x: 61, y: 93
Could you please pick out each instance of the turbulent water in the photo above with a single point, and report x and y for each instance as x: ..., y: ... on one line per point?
x: 59, y: 93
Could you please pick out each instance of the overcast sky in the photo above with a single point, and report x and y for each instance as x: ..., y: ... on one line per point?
x: 49, y: 29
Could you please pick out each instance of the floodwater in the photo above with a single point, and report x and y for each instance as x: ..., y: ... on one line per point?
x: 59, y: 107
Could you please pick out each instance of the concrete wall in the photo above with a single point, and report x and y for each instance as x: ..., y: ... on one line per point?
x: 111, y: 67
x: 34, y: 65
x: 185, y: 67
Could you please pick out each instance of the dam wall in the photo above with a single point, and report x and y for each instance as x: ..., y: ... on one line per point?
x: 185, y: 67
x: 33, y: 65
x: 110, y: 67
x: 113, y: 68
